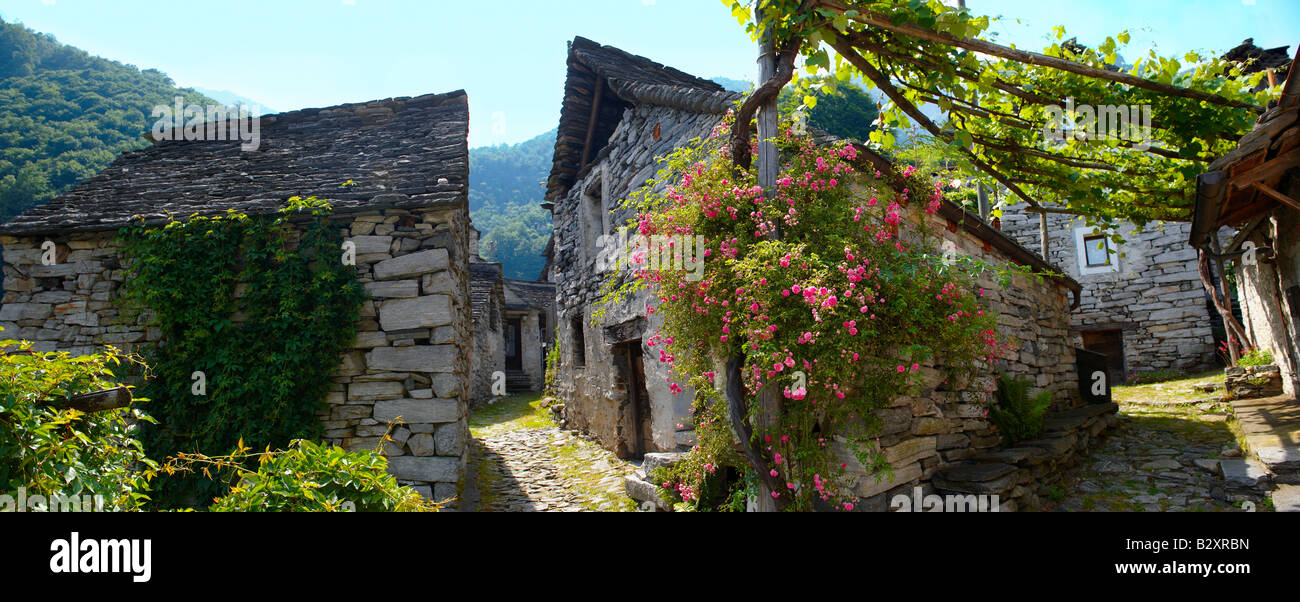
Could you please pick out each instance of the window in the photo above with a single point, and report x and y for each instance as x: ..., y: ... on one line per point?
x: 1097, y: 253
x: 1096, y: 250
x: 579, y: 340
x: 593, y: 215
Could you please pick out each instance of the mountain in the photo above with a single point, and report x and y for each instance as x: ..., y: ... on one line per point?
x: 65, y: 115
x: 505, y: 196
x: 732, y: 85
x: 231, y: 99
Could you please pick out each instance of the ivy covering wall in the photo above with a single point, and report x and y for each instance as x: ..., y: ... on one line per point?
x: 255, y: 312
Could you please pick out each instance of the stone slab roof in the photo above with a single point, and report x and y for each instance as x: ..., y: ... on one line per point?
x: 401, y: 153
x: 484, y: 279
x: 531, y: 295
x: 621, y: 80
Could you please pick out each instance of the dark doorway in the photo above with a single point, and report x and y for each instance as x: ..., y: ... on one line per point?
x: 1109, y: 343
x: 634, y: 438
x: 514, y: 345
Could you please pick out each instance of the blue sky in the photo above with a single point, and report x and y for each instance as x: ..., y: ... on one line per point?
x: 510, y: 55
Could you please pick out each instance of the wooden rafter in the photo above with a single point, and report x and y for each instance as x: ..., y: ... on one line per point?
x: 597, y: 93
x: 1277, y: 196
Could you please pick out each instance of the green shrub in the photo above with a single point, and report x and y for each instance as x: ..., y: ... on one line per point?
x: 1018, y: 416
x: 306, y: 477
x: 54, y: 452
x: 552, y: 364
x: 1256, y: 357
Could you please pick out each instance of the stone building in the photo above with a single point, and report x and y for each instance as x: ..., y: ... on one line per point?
x: 1143, y: 304
x: 620, y: 112
x: 530, y: 331
x: 514, y: 322
x: 406, y: 211
x: 1255, y: 190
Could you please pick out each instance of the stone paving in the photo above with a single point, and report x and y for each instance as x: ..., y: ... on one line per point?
x: 521, y: 462
x: 1162, y: 456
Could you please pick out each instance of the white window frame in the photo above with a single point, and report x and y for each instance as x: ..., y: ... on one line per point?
x: 1081, y: 249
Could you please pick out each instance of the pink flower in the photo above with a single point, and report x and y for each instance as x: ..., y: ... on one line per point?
x: 902, y: 369
x: 774, y: 472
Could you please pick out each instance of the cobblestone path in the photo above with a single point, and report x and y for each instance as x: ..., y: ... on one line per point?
x: 1161, y: 456
x: 521, y: 462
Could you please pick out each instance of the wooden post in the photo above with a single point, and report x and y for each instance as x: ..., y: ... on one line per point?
x: 97, y: 401
x: 1042, y: 235
x: 597, y: 94
x: 982, y: 194
x: 768, y: 167
x: 1229, y: 320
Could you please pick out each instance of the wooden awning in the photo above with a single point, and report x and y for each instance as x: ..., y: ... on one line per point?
x: 1245, y: 183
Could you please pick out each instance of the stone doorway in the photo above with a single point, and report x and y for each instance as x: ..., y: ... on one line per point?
x: 514, y: 345
x: 1109, y: 343
x: 634, y: 436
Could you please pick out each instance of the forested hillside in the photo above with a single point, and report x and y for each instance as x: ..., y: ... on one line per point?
x: 505, y: 196
x: 65, y: 115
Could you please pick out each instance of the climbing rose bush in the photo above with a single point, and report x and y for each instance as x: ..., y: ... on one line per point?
x: 825, y: 286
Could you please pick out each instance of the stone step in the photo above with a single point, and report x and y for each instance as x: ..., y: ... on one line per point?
x: 643, y: 492
x: 654, y: 460
x: 983, y: 478
x: 1286, y: 498
x: 1271, y: 427
x: 1245, y: 473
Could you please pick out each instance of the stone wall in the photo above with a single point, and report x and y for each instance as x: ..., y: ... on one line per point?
x: 1155, y: 297
x: 488, y: 356
x: 1023, y: 475
x: 1252, y: 382
x: 595, y: 395
x: 946, y: 425
x: 1269, y: 291
x: 411, y: 357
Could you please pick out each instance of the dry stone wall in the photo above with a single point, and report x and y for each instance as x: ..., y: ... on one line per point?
x: 411, y: 357
x: 946, y: 424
